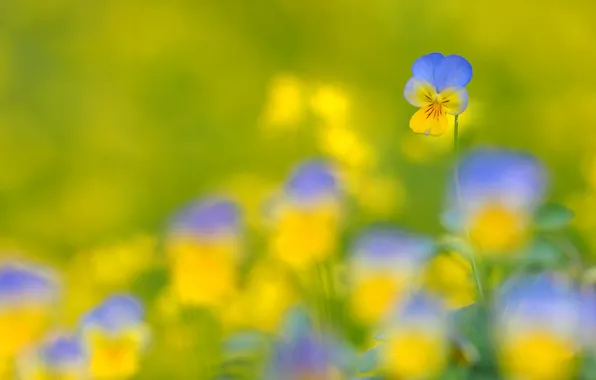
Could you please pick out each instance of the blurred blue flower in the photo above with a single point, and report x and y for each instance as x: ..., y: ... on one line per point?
x: 437, y: 87
x: 384, y: 266
x: 115, y: 336
x: 216, y: 216
x: 537, y: 326
x: 22, y: 283
x: 311, y: 182
x: 59, y: 356
x: 416, y: 339
x: 28, y: 294
x: 116, y: 314
x: 494, y: 198
x: 302, y: 354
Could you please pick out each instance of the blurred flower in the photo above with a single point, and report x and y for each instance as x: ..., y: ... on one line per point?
x: 306, y: 218
x: 60, y: 356
x: 416, y: 345
x: 384, y: 267
x: 28, y: 294
x: 285, y: 105
x: 449, y: 276
x: 437, y: 87
x: 306, y: 355
x: 115, y: 336
x: 203, y: 249
x: 495, y: 197
x: 264, y: 300
x: 537, y: 327
x: 332, y: 105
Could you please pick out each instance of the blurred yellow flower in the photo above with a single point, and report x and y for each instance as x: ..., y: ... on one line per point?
x: 496, y: 229
x: 416, y: 354
x: 331, y: 105
x: 372, y: 297
x: 203, y: 273
x: 305, y: 236
x: 264, y: 300
x: 285, y: 104
x: 449, y: 276
x: 538, y: 355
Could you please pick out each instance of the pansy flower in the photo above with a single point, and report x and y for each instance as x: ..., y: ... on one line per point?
x: 115, y: 335
x: 537, y: 328
x: 416, y: 341
x: 303, y: 354
x: 28, y: 294
x: 203, y: 246
x: 384, y: 265
x: 494, y: 198
x: 306, y: 217
x: 60, y: 356
x: 438, y: 88
x: 449, y: 276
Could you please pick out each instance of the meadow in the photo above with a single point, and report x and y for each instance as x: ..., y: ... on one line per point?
x: 293, y: 190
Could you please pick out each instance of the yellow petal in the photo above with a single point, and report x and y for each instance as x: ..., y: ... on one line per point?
x: 431, y: 120
x: 454, y: 100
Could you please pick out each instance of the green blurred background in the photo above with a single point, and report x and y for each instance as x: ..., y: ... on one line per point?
x: 114, y: 113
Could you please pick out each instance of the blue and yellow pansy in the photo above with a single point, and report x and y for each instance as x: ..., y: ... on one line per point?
x: 60, y: 356
x: 438, y: 88
x: 28, y: 295
x: 115, y: 336
x: 537, y: 328
x: 494, y: 197
x: 307, y: 216
x: 416, y: 342
x: 384, y: 266
x: 204, y: 248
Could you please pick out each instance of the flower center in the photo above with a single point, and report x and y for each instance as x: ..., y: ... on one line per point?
x: 434, y: 110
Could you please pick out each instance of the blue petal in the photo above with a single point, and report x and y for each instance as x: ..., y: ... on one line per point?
x: 425, y: 66
x: 453, y: 71
x: 209, y: 216
x: 63, y: 350
x: 379, y: 243
x: 115, y: 314
x: 23, y: 282
x: 311, y: 181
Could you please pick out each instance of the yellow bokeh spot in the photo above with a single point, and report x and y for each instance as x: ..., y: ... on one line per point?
x: 346, y: 146
x: 496, y: 229
x: 450, y: 276
x: 373, y: 297
x: 203, y: 274
x: 285, y: 106
x: 20, y: 326
x: 114, y: 357
x: 415, y: 354
x: 262, y: 305
x: 304, y: 236
x: 538, y: 355
x: 331, y: 104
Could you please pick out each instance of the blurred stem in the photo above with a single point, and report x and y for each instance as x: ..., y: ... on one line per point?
x: 475, y: 271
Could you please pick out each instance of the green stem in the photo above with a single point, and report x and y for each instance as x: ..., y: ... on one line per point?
x: 459, y: 200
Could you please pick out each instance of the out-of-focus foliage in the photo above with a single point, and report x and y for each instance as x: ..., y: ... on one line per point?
x: 117, y: 115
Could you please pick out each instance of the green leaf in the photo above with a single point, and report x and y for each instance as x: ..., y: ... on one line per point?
x: 542, y: 255
x: 552, y: 216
